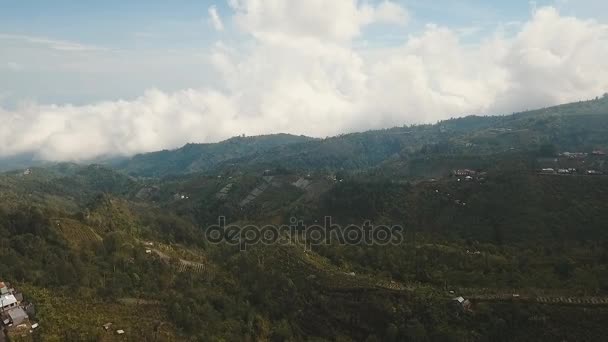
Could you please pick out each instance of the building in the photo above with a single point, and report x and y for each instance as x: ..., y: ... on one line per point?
x: 462, y: 303
x: 574, y: 155
x: 3, y: 288
x: 464, y: 172
x: 17, y: 315
x: 7, y: 302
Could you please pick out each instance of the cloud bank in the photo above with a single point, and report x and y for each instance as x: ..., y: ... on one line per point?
x: 300, y: 69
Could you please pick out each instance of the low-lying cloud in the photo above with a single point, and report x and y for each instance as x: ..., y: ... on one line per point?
x: 303, y: 73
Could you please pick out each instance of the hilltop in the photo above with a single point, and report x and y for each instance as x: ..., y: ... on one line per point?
x: 570, y: 127
x: 574, y: 126
x: 201, y: 157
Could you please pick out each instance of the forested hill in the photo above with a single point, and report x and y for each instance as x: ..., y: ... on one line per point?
x: 575, y: 126
x: 527, y: 248
x: 201, y: 157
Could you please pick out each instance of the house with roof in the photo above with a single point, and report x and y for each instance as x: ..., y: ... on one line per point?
x: 464, y: 172
x: 7, y: 302
x: 462, y: 303
x: 17, y: 315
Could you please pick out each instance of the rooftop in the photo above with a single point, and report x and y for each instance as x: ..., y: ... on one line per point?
x: 459, y: 299
x: 7, y: 299
x: 17, y: 314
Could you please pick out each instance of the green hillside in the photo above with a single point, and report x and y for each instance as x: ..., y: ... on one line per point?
x: 95, y: 244
x: 572, y: 127
x: 202, y: 157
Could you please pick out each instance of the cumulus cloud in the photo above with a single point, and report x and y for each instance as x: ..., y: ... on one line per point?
x: 339, y: 20
x: 299, y: 72
x: 215, y: 19
x: 153, y: 121
x: 555, y: 59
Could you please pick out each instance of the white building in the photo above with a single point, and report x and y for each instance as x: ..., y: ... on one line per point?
x: 7, y: 301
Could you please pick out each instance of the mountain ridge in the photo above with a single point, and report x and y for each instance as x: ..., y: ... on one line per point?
x: 563, y: 125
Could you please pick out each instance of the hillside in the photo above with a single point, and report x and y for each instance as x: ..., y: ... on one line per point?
x: 482, y: 215
x: 202, y: 157
x: 573, y: 127
x: 570, y: 127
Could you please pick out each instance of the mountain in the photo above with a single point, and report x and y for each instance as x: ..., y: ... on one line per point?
x: 201, y: 157
x: 574, y: 126
x: 20, y: 161
x: 570, y: 127
x: 128, y: 242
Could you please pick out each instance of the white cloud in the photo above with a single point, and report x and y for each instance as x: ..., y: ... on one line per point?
x: 390, y: 12
x: 337, y: 20
x: 215, y: 19
x: 555, y: 59
x: 298, y: 72
x: 153, y: 121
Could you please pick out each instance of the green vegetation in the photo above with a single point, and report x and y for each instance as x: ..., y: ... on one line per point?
x: 96, y: 244
x: 201, y: 157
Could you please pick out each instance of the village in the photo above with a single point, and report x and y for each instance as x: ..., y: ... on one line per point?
x: 16, y: 313
x: 574, y: 163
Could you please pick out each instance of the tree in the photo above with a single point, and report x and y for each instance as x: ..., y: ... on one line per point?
x: 415, y: 330
x: 392, y: 332
x: 547, y: 150
x: 564, y: 268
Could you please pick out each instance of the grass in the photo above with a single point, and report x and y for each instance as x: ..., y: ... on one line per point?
x: 66, y: 316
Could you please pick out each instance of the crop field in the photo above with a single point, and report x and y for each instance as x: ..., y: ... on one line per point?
x: 77, y: 234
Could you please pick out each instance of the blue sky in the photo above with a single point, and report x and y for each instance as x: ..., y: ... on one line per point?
x: 177, y: 24
x: 160, y: 29
x: 109, y: 23
x: 90, y: 78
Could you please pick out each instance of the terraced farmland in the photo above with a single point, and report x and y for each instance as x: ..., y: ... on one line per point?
x: 77, y: 234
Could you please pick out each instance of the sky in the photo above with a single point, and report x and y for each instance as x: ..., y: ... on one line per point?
x: 86, y: 79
